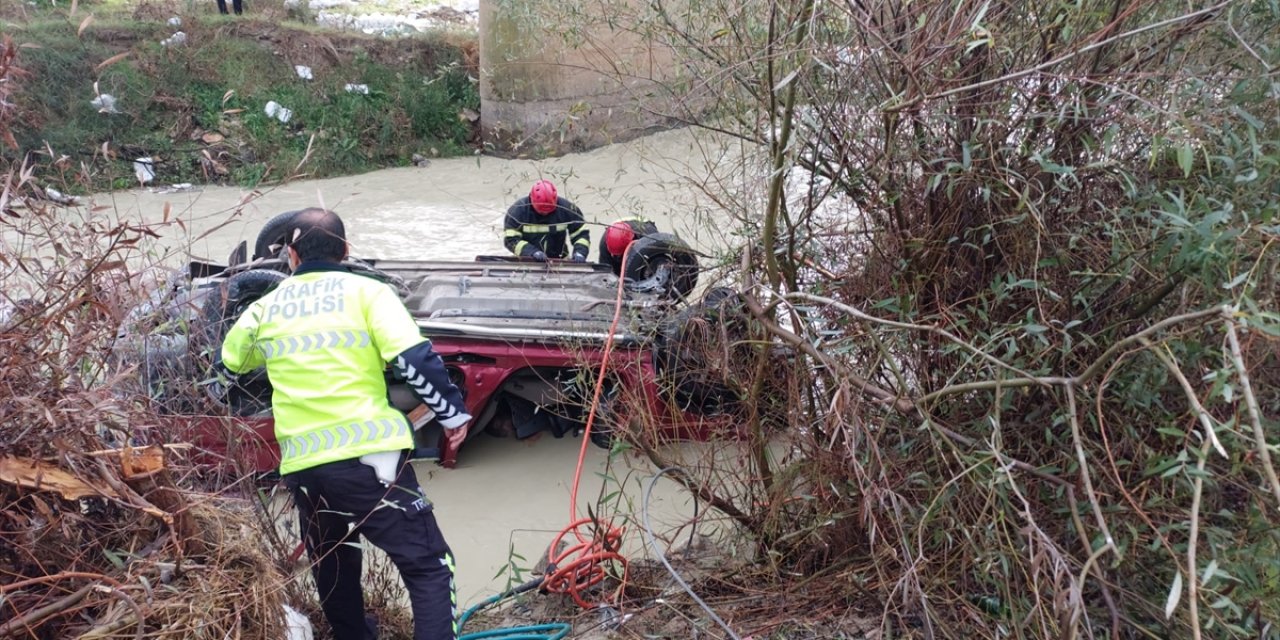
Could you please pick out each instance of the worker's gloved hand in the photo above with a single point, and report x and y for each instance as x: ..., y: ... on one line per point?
x: 455, y: 437
x: 579, y: 257
x: 539, y: 256
x: 219, y: 388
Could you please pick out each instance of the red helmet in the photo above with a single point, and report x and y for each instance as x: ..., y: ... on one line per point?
x: 618, y: 238
x: 543, y: 197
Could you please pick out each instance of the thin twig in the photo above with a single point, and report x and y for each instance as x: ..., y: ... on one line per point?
x: 1205, y: 419
x: 918, y: 327
x: 1078, y: 440
x: 28, y: 620
x: 1244, y: 43
x: 1197, y: 490
x: 65, y: 575
x: 902, y: 405
x: 1259, y: 436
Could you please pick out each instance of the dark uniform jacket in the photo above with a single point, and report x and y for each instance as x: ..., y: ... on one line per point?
x: 527, y: 231
x: 640, y: 227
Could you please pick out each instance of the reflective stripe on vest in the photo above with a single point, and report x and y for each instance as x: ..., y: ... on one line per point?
x: 546, y: 228
x: 319, y: 340
x: 326, y: 337
x: 340, y: 436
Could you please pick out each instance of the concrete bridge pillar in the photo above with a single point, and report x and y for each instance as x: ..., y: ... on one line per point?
x: 543, y: 90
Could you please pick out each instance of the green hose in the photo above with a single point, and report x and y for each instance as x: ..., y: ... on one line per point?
x: 548, y: 631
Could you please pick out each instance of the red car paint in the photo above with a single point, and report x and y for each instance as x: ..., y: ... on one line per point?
x: 485, y: 365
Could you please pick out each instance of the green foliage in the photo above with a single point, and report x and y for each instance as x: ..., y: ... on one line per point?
x: 1041, y: 180
x: 220, y: 82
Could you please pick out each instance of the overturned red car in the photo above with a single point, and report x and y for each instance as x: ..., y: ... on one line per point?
x: 525, y: 341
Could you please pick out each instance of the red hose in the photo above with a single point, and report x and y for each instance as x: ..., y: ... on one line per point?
x: 583, y: 565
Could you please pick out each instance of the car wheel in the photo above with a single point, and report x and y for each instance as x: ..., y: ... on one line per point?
x: 664, y: 263
x: 273, y: 236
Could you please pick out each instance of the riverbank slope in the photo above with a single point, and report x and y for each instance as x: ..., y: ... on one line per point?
x: 212, y: 99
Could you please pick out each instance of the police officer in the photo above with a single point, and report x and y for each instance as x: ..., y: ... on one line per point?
x: 542, y: 225
x: 619, y: 236
x: 325, y: 335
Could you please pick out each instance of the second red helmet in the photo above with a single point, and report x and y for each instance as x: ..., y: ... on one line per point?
x: 543, y: 197
x: 618, y: 237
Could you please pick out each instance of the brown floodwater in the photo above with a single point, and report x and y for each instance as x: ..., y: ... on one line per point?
x: 506, y: 499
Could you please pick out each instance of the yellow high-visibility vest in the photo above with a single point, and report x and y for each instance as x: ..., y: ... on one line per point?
x: 325, y: 337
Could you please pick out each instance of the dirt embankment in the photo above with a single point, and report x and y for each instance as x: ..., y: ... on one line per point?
x: 208, y: 99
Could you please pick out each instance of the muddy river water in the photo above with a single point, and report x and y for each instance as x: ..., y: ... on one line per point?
x: 507, y: 498
x: 453, y: 207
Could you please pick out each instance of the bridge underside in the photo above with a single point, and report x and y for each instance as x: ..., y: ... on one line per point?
x: 541, y: 94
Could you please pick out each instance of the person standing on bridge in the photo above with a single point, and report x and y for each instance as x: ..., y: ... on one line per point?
x: 543, y: 225
x: 618, y: 238
x: 325, y: 335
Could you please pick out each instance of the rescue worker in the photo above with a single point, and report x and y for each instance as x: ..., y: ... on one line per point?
x: 543, y: 225
x: 325, y: 335
x: 619, y: 236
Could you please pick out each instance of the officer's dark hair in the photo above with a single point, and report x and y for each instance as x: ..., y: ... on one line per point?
x: 318, y: 234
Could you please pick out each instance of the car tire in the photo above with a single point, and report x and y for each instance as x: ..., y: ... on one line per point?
x: 222, y: 308
x: 273, y: 233
x: 224, y: 305
x: 646, y: 254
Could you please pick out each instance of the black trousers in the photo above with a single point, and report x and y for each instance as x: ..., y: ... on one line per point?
x: 335, y: 502
x: 222, y: 6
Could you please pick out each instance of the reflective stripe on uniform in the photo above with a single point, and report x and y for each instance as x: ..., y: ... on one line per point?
x: 341, y: 435
x: 512, y: 233
x: 447, y: 561
x: 426, y: 391
x: 536, y: 228
x: 312, y: 342
x: 519, y: 249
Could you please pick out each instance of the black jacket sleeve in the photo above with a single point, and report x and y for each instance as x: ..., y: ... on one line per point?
x: 512, y: 235
x: 425, y: 373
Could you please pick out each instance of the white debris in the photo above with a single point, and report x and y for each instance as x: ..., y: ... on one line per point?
x: 296, y: 625
x: 144, y: 169
x: 357, y: 88
x: 104, y: 103
x: 174, y: 188
x: 321, y: 4
x: 303, y: 71
x: 175, y: 21
x: 385, y: 24
x: 276, y: 110
x: 401, y: 18
x: 60, y: 197
x: 177, y: 39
